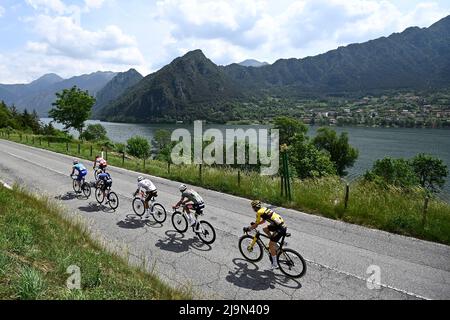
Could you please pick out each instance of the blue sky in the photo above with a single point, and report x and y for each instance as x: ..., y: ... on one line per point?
x: 72, y: 37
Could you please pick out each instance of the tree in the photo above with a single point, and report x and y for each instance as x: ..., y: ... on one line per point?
x: 73, y: 108
x: 430, y: 171
x: 308, y: 161
x: 341, y: 152
x: 94, y: 132
x: 396, y: 172
x: 162, y: 144
x: 289, y: 128
x: 139, y: 147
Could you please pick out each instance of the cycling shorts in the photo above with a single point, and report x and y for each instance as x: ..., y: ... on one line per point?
x: 81, y: 174
x: 278, y: 231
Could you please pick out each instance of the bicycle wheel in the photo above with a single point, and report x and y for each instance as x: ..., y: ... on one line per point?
x: 76, y: 186
x: 159, y: 213
x: 207, y: 233
x: 179, y: 222
x: 86, y: 189
x: 99, y: 196
x: 138, y: 207
x: 96, y: 173
x: 113, y: 200
x: 254, y: 254
x: 291, y: 263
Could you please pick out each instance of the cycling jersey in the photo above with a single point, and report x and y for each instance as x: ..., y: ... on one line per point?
x: 147, y: 185
x: 193, y: 196
x: 269, y: 216
x: 80, y: 168
x: 106, y: 178
x: 100, y: 162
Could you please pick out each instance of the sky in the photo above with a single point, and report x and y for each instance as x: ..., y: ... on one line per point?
x: 74, y: 37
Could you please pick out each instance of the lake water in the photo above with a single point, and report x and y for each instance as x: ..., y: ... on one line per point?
x: 372, y: 143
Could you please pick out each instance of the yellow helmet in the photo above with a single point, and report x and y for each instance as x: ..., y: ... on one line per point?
x: 256, y: 204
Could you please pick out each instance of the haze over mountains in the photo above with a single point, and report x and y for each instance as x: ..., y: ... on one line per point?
x: 193, y: 87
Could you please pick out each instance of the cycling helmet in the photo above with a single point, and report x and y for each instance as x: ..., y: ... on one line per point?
x: 75, y: 161
x: 140, y: 179
x: 183, y: 188
x: 256, y: 204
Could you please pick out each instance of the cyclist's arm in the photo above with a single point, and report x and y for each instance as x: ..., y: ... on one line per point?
x: 73, y: 171
x: 180, y: 202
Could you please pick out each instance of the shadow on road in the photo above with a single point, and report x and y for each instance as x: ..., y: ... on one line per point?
x: 247, y: 275
x: 132, y: 221
x: 176, y: 242
x: 95, y: 207
x: 70, y: 196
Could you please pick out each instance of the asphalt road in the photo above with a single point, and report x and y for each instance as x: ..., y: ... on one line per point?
x: 338, y: 254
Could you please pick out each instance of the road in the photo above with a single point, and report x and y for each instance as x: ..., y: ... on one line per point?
x: 338, y: 254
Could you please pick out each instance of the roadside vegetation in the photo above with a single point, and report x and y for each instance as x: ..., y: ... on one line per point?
x: 397, y: 195
x: 37, y: 246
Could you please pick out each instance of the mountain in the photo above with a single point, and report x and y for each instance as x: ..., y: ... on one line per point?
x: 116, y: 87
x: 186, y: 88
x: 252, y: 63
x: 40, y: 94
x: 192, y: 87
x: 415, y: 58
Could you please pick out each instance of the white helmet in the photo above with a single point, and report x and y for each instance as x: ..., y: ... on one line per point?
x: 183, y: 188
x: 140, y: 179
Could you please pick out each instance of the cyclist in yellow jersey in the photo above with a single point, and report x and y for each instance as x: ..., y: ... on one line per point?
x: 275, y: 230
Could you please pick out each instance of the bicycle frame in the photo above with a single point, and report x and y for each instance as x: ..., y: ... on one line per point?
x: 186, y: 216
x: 257, y: 238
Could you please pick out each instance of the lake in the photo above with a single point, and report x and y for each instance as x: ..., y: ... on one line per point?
x: 372, y: 143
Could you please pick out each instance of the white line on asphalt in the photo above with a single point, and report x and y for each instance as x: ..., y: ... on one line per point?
x: 365, y: 280
x: 309, y: 261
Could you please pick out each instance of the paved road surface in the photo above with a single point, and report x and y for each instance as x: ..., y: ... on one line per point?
x: 338, y: 254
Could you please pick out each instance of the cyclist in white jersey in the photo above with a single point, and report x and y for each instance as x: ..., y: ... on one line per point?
x: 149, y: 188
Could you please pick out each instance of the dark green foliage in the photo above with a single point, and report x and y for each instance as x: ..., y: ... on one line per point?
x: 395, y: 172
x: 431, y: 172
x: 72, y: 108
x: 308, y: 161
x: 94, y: 132
x: 13, y: 119
x: 139, y: 147
x: 162, y: 145
x: 423, y: 170
x: 341, y: 152
x: 289, y: 128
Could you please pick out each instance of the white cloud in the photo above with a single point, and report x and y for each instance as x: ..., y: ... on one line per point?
x: 50, y: 6
x: 94, y: 4
x: 2, y: 11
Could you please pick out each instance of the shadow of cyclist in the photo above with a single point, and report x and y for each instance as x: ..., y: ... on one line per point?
x: 247, y: 275
x: 95, y: 207
x: 175, y: 242
x: 68, y: 196
x: 132, y: 221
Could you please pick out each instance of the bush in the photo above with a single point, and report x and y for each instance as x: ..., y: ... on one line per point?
x: 139, y: 147
x: 94, y: 132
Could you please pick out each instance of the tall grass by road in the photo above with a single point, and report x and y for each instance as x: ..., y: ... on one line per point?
x: 37, y: 246
x: 392, y: 209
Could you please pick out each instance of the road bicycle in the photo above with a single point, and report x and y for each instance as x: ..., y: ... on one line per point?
x: 291, y: 263
x: 204, y: 230
x: 81, y: 186
x: 157, y: 210
x: 111, y: 196
x: 98, y: 171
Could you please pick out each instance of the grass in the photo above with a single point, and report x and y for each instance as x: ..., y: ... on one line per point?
x: 37, y: 245
x: 391, y: 210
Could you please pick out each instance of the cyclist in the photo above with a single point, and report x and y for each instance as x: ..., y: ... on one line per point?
x: 191, y: 200
x: 149, y: 188
x: 105, y: 181
x: 275, y: 230
x: 100, y: 163
x: 81, y: 169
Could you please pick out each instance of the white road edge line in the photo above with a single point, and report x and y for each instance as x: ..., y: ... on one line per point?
x: 309, y: 261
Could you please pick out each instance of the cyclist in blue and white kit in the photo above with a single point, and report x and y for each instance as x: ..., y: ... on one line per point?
x: 81, y: 170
